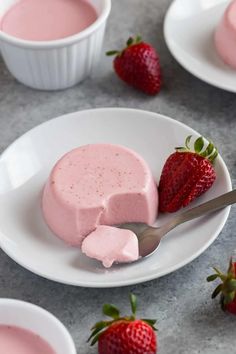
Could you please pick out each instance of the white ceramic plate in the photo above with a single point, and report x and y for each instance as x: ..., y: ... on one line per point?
x: 25, y: 166
x: 188, y: 29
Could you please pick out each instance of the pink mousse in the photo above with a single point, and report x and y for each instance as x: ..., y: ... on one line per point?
x: 44, y: 20
x: 225, y: 36
x: 16, y: 340
x: 109, y: 244
x: 99, y: 184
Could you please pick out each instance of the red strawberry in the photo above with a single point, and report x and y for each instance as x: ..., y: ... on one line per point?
x: 227, y: 288
x: 138, y: 65
x: 124, y: 335
x: 186, y: 175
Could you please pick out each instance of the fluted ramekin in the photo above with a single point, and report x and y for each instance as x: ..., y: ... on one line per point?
x: 36, y: 319
x: 58, y: 64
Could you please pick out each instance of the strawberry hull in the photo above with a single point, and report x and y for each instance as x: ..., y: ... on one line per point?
x: 227, y: 287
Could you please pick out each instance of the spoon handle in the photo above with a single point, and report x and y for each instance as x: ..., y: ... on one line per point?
x: 208, y: 207
x: 150, y: 238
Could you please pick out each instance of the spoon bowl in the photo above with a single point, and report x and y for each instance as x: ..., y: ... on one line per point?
x: 149, y: 237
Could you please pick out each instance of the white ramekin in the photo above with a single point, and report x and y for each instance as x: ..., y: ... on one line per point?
x: 59, y: 64
x: 31, y: 317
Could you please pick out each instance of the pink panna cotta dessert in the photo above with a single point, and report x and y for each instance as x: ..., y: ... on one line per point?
x: 225, y: 36
x: 98, y: 184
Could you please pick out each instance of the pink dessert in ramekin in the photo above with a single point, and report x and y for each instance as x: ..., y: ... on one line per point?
x: 56, y: 63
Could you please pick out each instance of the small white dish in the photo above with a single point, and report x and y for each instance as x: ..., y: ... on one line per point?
x: 24, y: 169
x: 188, y: 29
x: 35, y: 319
x: 57, y: 64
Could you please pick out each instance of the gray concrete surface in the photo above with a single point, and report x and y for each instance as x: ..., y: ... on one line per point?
x: 189, y: 321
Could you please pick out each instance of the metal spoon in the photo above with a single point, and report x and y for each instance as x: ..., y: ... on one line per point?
x: 150, y: 237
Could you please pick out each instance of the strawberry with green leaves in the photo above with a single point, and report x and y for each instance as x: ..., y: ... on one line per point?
x: 227, y: 287
x: 138, y: 65
x: 124, y: 335
x: 187, y: 173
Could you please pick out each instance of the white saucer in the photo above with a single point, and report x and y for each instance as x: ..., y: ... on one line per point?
x: 25, y: 166
x: 188, y: 29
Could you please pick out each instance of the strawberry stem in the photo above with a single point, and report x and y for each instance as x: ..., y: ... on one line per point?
x: 138, y: 39
x: 187, y: 141
x: 217, y: 290
x: 97, y: 328
x: 112, y: 52
x: 131, y: 41
x: 227, y: 287
x: 199, y: 144
x: 212, y: 277
x: 111, y: 311
x: 151, y: 323
x: 133, y: 303
x: 209, y: 153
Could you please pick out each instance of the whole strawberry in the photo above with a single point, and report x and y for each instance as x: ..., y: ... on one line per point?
x: 186, y: 175
x: 227, y: 287
x: 138, y: 65
x: 124, y: 335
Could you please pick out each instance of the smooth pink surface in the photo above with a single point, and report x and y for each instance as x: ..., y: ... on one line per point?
x: 44, y: 20
x: 98, y: 184
x: 15, y: 340
x: 109, y: 244
x: 225, y: 36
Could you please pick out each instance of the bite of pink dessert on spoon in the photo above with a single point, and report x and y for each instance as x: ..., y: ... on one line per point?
x: 111, y: 245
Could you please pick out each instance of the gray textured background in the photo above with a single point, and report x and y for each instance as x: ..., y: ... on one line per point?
x: 188, y: 320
